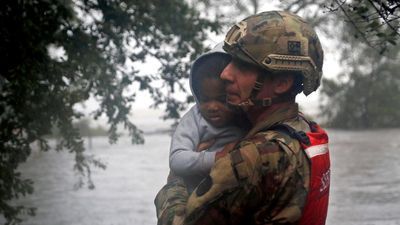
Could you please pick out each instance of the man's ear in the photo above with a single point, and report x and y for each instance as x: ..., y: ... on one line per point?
x: 282, y: 83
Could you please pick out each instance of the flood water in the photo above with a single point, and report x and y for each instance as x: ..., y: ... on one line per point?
x: 365, y: 182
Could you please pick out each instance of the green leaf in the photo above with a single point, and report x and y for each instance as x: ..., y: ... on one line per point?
x: 373, y: 24
x: 361, y: 10
x: 381, y: 34
x: 391, y: 41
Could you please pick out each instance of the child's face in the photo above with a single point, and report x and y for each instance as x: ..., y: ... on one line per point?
x: 212, y: 102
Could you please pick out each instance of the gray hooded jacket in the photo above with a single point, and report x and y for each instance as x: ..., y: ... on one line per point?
x: 193, y: 129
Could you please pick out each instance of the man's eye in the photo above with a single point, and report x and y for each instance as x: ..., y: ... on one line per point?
x: 242, y: 66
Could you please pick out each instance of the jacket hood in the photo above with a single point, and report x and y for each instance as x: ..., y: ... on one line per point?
x: 216, y: 50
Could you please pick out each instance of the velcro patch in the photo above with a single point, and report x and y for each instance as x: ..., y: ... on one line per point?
x: 294, y: 47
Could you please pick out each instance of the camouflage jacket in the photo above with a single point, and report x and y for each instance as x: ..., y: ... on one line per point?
x: 263, y: 180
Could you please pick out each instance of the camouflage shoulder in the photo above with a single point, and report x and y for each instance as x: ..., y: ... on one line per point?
x: 287, y: 143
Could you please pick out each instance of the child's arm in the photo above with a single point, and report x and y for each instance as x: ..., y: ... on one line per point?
x: 184, y: 159
x: 205, y: 145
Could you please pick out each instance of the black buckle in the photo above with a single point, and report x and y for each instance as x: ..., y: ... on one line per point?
x: 266, y: 102
x: 302, y: 137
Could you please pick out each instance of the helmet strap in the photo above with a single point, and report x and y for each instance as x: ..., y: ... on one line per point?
x: 267, y: 102
x: 257, y: 86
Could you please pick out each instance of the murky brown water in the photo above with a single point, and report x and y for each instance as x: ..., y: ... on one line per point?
x: 365, y: 186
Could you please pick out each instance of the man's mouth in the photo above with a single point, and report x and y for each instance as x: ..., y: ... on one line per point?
x: 231, y: 96
x: 230, y: 92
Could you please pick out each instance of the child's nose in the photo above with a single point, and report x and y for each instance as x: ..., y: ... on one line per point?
x: 213, y: 107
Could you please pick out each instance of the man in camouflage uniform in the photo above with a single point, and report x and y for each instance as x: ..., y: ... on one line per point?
x: 264, y: 179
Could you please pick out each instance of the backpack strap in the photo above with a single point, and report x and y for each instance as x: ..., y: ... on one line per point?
x: 301, y: 136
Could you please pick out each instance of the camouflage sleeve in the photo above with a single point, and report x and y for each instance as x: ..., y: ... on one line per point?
x: 263, y: 181
x: 171, y: 201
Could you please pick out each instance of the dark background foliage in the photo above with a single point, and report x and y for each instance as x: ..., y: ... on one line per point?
x: 98, y: 40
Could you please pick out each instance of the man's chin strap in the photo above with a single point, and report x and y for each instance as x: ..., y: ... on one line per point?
x: 266, y: 102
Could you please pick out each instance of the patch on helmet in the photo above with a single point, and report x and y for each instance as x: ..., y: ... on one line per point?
x: 204, y: 186
x: 294, y: 47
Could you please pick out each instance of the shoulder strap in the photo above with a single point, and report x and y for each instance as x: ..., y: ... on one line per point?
x: 301, y: 136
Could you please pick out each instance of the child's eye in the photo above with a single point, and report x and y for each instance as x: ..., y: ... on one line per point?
x: 220, y: 98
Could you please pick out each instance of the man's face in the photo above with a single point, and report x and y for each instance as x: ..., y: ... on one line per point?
x: 239, y: 81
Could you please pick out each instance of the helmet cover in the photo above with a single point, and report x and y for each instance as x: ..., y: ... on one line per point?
x: 278, y: 41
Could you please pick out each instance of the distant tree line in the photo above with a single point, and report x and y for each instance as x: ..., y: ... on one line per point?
x: 84, y: 127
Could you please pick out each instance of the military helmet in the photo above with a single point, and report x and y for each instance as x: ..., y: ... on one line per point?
x: 278, y: 41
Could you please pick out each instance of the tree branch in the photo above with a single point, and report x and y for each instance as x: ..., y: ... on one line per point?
x: 383, y: 17
x: 340, y: 5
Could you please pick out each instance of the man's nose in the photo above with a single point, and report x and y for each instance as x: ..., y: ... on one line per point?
x: 227, y: 73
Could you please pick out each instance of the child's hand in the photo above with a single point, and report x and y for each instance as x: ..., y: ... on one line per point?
x: 227, y: 148
x: 205, y: 145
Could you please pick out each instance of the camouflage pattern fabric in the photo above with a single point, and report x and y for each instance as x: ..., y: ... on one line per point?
x: 265, y: 180
x: 278, y: 41
x: 171, y: 201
